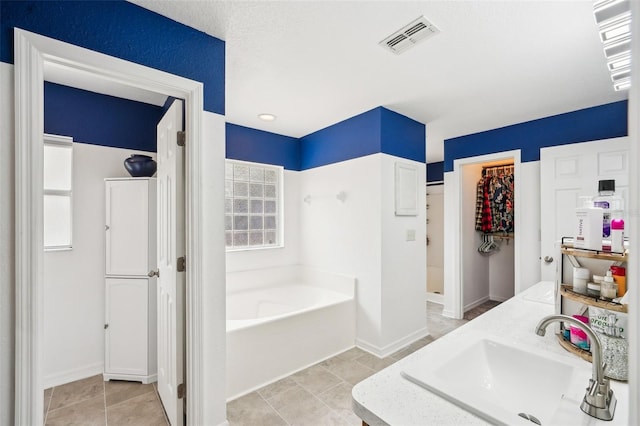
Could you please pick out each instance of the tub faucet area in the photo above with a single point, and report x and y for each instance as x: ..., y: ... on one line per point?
x: 599, y: 400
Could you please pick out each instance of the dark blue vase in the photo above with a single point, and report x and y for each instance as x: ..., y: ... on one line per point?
x: 140, y: 165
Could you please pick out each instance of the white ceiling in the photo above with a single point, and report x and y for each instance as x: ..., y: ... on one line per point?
x: 315, y: 63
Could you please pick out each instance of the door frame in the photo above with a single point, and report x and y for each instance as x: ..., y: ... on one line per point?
x: 454, y: 256
x: 32, y: 53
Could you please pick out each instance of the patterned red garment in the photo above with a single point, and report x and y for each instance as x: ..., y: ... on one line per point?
x: 487, y: 220
x: 479, y: 203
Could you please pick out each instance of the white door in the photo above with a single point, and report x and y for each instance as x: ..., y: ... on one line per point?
x: 568, y: 172
x: 171, y: 246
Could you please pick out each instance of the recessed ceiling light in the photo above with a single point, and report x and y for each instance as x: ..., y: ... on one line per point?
x: 266, y: 117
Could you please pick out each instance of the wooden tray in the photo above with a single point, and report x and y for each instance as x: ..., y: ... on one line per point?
x: 586, y: 355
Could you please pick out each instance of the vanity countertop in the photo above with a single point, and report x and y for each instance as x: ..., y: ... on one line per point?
x: 388, y: 398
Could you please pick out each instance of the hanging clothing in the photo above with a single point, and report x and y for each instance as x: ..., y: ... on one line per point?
x: 494, y: 201
x: 479, y: 203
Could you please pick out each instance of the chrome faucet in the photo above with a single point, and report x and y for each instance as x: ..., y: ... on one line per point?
x: 599, y: 400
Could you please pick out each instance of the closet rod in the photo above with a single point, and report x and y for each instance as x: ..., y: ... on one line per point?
x: 497, y: 166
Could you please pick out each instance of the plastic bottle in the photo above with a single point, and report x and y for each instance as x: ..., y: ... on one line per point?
x: 617, y: 235
x: 619, y: 274
x: 608, y: 288
x: 607, y: 201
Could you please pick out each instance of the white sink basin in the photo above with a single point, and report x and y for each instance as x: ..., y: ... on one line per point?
x: 497, y: 381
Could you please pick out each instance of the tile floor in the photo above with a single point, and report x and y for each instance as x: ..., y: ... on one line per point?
x: 93, y: 401
x: 319, y: 395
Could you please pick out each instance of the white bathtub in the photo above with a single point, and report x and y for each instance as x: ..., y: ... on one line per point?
x: 282, y: 320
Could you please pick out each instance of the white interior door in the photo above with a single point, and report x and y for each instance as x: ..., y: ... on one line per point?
x: 568, y: 172
x: 171, y: 246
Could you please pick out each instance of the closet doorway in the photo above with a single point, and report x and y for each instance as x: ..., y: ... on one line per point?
x: 483, y: 265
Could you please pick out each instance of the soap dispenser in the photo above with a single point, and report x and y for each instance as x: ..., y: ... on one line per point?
x: 608, y: 288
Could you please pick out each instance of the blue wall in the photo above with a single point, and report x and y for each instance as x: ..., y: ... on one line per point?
x: 402, y: 136
x: 126, y: 31
x: 435, y: 172
x: 100, y: 119
x: 378, y: 130
x: 352, y: 138
x: 600, y: 122
x: 246, y: 144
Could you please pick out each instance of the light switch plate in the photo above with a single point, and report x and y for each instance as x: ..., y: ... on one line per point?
x: 411, y: 234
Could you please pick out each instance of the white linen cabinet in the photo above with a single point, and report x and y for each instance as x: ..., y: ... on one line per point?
x: 130, y: 293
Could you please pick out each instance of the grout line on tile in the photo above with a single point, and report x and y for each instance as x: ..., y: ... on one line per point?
x: 334, y: 386
x: 274, y: 409
x: 327, y: 405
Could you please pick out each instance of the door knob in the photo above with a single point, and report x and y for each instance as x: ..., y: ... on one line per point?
x: 548, y: 259
x: 155, y: 273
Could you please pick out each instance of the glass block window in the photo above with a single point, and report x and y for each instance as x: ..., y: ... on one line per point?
x: 253, y: 200
x: 58, y: 201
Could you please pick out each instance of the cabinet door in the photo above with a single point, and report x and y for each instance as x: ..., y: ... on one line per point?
x: 126, y: 334
x: 127, y: 227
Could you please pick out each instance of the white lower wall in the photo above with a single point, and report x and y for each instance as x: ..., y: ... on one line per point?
x: 362, y: 237
x: 211, y: 344
x: 529, y: 231
x: 7, y: 248
x: 287, y: 255
x: 502, y: 272
x: 74, y: 279
x: 345, y: 237
x: 404, y: 271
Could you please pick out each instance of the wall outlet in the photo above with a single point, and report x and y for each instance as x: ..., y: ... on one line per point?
x: 411, y: 234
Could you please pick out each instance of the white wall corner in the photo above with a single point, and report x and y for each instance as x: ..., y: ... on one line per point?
x: 393, y: 347
x: 452, y: 303
x: 213, y: 333
x: 7, y: 248
x: 404, y: 253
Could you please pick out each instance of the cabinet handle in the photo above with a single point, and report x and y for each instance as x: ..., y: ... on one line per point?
x: 106, y: 227
x: 155, y: 273
x: 548, y: 259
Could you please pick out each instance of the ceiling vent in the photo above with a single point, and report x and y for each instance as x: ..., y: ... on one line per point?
x: 408, y: 36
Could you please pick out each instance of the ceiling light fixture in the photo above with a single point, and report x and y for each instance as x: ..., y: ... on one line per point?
x: 266, y: 117
x: 619, y: 62
x: 614, y: 25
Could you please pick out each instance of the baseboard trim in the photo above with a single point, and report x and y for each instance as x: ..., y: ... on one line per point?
x: 255, y: 388
x: 72, y: 375
x: 382, y: 352
x: 435, y: 298
x: 131, y: 377
x: 499, y: 299
x: 476, y: 303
